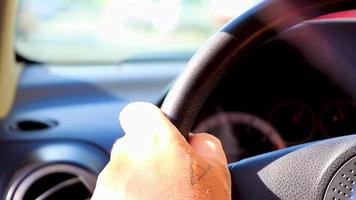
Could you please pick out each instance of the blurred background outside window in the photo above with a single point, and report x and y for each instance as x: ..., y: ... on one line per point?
x: 109, y: 31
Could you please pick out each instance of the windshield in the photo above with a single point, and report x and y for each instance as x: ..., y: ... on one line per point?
x: 110, y: 31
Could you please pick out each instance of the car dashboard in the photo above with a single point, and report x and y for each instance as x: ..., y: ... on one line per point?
x: 277, y: 98
x: 66, y: 117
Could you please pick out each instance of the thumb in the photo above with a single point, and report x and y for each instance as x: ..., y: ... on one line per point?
x: 145, y: 119
x: 146, y: 129
x: 208, y: 146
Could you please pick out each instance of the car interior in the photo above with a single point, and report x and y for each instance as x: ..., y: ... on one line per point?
x: 275, y: 82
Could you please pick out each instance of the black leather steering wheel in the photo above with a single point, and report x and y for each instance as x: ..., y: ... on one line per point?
x: 322, y: 170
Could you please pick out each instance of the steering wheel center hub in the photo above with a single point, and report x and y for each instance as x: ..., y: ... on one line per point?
x: 343, y: 185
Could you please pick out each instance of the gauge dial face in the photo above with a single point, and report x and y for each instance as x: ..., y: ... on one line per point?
x: 294, y: 120
x: 338, y: 118
x: 242, y: 134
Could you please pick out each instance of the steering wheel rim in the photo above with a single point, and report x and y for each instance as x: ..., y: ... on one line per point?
x: 232, y: 42
x: 301, y: 172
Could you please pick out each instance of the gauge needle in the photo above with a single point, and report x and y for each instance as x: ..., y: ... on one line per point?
x: 297, y: 116
x: 340, y: 113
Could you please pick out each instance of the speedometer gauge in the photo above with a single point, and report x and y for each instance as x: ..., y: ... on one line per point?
x: 242, y: 134
x: 338, y: 118
x: 294, y: 120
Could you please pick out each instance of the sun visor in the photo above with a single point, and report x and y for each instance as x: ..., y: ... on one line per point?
x: 9, y: 70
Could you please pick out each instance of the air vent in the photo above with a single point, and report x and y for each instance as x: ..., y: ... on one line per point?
x: 54, y: 182
x: 28, y: 125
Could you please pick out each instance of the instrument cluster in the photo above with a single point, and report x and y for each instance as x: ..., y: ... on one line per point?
x: 290, y: 122
x: 297, y: 122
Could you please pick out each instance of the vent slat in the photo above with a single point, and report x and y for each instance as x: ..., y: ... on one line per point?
x: 58, y: 187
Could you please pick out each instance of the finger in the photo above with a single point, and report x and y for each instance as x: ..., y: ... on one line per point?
x: 208, y: 146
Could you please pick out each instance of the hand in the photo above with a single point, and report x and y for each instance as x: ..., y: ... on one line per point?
x: 154, y: 161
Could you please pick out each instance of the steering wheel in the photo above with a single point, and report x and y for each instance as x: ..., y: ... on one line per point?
x: 319, y: 170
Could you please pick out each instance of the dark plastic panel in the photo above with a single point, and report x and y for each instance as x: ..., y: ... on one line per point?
x: 293, y: 173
